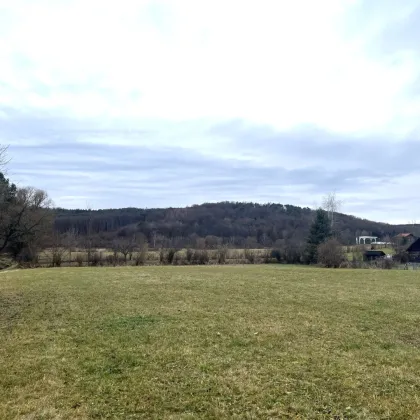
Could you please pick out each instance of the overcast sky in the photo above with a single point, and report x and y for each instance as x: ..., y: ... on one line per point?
x: 172, y: 103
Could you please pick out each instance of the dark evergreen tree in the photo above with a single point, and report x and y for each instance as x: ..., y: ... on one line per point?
x: 7, y: 190
x: 319, y: 233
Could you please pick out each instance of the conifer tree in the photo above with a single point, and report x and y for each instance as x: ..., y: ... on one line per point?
x: 319, y: 233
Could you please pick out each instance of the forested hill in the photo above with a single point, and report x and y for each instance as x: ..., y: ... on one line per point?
x: 212, y: 224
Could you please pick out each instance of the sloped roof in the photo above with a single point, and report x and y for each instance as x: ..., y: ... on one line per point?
x: 415, y: 246
x: 405, y: 235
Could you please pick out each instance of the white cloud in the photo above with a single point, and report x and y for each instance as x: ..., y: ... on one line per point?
x: 161, y: 73
x: 282, y: 63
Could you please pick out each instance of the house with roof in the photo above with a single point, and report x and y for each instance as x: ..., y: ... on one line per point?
x: 405, y: 238
x: 413, y: 251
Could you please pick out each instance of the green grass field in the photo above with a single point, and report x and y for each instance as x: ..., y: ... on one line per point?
x: 244, y: 342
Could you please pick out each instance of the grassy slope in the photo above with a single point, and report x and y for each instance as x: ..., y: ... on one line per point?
x: 209, y: 342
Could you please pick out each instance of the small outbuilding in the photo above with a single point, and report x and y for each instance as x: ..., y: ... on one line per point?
x: 373, y: 255
x: 413, y: 251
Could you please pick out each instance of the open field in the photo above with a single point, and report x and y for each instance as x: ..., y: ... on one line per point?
x: 218, y: 342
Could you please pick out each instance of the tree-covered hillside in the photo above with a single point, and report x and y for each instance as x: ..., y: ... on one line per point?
x: 211, y: 224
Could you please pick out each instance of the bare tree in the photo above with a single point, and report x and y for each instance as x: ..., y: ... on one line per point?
x: 137, y: 241
x: 4, y: 159
x: 70, y: 241
x: 141, y: 255
x: 124, y: 246
x: 25, y: 216
x: 57, y: 249
x: 88, y: 240
x: 331, y: 204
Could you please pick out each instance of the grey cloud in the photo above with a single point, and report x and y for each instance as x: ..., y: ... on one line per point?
x: 173, y: 177
x: 17, y: 126
x: 75, y: 172
x: 369, y: 156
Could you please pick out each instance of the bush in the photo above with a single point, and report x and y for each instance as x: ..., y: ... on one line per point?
x: 56, y: 259
x: 189, y: 255
x: 79, y: 260
x: 111, y: 259
x: 6, y: 262
x: 275, y: 253
x: 200, y: 257
x: 402, y: 257
x: 170, y: 256
x: 250, y: 256
x: 330, y: 254
x: 96, y: 259
x: 166, y: 256
x: 346, y: 264
x: 293, y: 252
x: 386, y: 264
x: 162, y: 256
x: 177, y: 259
x: 28, y: 257
x: 221, y: 255
x: 266, y: 256
x: 234, y: 254
x: 141, y: 256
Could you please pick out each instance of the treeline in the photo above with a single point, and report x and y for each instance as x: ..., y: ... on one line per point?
x: 211, y: 225
x: 322, y: 247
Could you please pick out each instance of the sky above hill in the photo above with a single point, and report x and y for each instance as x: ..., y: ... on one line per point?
x: 172, y: 103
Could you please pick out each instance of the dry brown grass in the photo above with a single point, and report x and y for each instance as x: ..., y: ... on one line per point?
x: 209, y: 342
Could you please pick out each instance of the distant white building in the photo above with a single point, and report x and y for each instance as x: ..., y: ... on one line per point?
x: 361, y: 240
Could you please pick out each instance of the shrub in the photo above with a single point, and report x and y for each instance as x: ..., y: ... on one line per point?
x: 402, y: 257
x: 250, y: 256
x: 57, y: 259
x: 170, y: 256
x: 200, y: 257
x: 111, y: 259
x: 141, y: 256
x: 330, y: 254
x: 189, y: 255
x: 28, y: 258
x: 166, y: 256
x: 386, y: 264
x: 221, y: 255
x: 275, y: 253
x: 346, y: 264
x: 293, y: 253
x: 79, y: 260
x: 6, y: 262
x: 162, y: 256
x: 177, y: 259
x: 266, y: 256
x: 96, y: 259
x: 234, y: 254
